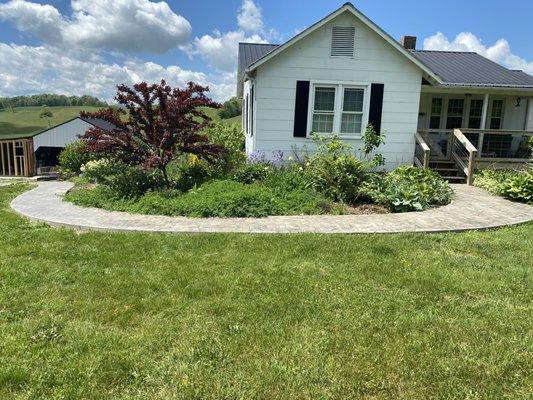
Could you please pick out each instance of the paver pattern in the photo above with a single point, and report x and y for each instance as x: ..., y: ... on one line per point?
x: 471, y: 208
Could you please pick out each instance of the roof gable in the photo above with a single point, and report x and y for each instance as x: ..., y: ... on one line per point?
x: 347, y: 7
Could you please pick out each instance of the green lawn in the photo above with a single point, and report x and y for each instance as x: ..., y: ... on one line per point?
x: 232, y: 316
x: 25, y: 120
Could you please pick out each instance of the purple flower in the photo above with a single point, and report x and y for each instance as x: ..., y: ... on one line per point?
x: 277, y: 158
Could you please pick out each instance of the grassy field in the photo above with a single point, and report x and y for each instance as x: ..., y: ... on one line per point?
x: 212, y: 316
x: 25, y: 120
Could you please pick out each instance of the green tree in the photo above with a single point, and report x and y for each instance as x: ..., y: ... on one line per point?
x: 46, y: 113
x: 231, y: 108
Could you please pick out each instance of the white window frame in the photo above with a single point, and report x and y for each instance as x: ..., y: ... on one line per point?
x: 491, y: 106
x: 338, y: 107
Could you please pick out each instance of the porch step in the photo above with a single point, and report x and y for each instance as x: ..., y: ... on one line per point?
x: 454, y: 179
x: 447, y: 170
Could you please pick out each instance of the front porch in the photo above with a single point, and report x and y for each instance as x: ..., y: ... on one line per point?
x: 459, y: 132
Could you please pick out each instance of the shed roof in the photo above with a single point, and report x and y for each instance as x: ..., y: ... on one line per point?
x: 471, y: 69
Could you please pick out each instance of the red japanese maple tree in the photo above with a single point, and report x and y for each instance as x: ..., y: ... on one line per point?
x: 154, y: 126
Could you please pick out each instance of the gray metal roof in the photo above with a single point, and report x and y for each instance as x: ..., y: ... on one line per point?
x: 251, y: 52
x: 472, y: 69
x: 100, y: 123
x: 454, y: 68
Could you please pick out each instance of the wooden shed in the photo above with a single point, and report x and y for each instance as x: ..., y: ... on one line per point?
x: 37, y: 153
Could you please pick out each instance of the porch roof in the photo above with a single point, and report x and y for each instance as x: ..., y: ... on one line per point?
x: 472, y: 70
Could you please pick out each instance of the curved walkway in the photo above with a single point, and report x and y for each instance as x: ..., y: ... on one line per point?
x: 471, y: 208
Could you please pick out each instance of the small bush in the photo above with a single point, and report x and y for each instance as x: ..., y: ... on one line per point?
x: 232, y: 138
x: 335, y: 171
x: 408, y: 188
x: 252, y: 172
x: 519, y: 187
x: 231, y: 108
x: 492, y: 180
x: 515, y: 185
x: 188, y: 172
x: 72, y: 157
x: 125, y: 181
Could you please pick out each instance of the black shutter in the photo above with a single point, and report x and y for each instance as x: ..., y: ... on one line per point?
x: 300, y: 109
x: 376, y: 106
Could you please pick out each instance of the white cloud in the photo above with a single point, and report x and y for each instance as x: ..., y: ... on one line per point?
x: 43, y: 20
x: 250, y: 18
x: 123, y: 25
x: 499, y: 52
x: 70, y: 59
x: 221, y: 50
x: 46, y: 69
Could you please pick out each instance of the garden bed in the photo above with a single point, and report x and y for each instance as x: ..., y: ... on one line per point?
x: 516, y: 185
x: 166, y: 157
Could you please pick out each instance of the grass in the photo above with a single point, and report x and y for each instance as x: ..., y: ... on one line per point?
x: 25, y: 120
x: 210, y: 316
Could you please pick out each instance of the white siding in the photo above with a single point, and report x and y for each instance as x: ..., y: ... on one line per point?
x: 375, y: 61
x: 514, y: 117
x: 61, y: 135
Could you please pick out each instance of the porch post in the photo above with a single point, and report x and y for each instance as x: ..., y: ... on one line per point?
x: 484, y: 114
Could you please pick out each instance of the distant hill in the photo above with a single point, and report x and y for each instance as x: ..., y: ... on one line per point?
x: 51, y: 100
x: 25, y: 120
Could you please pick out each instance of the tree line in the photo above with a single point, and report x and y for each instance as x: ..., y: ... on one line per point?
x: 50, y: 100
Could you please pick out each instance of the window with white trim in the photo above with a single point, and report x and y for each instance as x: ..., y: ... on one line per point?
x: 352, y: 110
x: 338, y: 109
x: 496, y: 114
x: 436, y: 113
x: 324, y: 109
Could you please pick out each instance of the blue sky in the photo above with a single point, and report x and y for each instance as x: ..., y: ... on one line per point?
x: 88, y: 46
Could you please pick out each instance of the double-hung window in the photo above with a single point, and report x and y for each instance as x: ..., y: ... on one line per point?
x: 496, y: 114
x: 324, y: 109
x: 338, y: 109
x: 436, y: 113
x: 352, y: 110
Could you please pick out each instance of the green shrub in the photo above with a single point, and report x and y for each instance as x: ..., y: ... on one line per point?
x: 335, y: 171
x: 408, y: 188
x: 232, y: 138
x: 231, y: 108
x: 288, y: 178
x: 188, y: 172
x: 72, y: 157
x: 252, y: 172
x: 519, y: 187
x: 222, y: 198
x: 492, y: 180
x: 125, y: 181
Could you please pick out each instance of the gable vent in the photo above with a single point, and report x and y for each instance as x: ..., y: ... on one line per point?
x: 342, y: 41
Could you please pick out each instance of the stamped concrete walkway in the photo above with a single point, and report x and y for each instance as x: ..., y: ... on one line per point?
x: 471, y: 208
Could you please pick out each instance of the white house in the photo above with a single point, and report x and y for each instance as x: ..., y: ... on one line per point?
x: 440, y: 109
x: 30, y: 154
